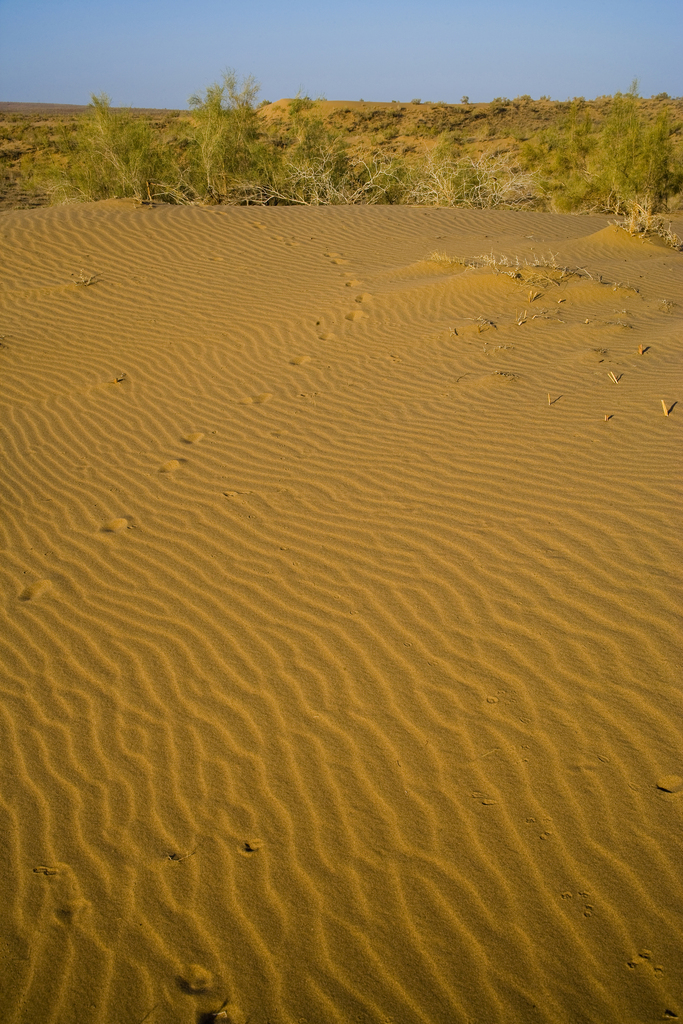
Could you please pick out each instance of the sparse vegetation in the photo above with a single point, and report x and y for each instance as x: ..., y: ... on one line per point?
x: 619, y: 154
x: 625, y: 164
x: 111, y: 153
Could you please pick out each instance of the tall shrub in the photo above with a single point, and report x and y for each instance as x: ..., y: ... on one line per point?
x: 225, y: 133
x: 115, y: 154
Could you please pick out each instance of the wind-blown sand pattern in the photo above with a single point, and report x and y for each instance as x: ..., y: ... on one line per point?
x: 341, y: 623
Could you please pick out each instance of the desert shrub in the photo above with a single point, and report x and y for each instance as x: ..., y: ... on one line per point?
x: 112, y: 154
x: 623, y: 164
x: 636, y: 163
x: 561, y: 155
x: 225, y: 139
x: 449, y: 145
x: 310, y: 139
x: 321, y: 182
x: 313, y: 167
x: 486, y: 182
x: 300, y: 104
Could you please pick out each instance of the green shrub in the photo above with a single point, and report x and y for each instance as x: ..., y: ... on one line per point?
x: 113, y: 154
x: 224, y: 138
x: 635, y: 161
x: 625, y: 162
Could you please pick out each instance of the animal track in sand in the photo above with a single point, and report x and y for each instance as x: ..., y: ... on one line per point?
x: 644, y: 959
x: 35, y: 590
x: 495, y: 379
x: 63, y: 891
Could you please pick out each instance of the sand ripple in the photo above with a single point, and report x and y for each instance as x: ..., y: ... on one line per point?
x: 341, y: 630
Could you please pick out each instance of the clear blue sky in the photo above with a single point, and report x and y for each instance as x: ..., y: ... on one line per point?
x: 150, y: 53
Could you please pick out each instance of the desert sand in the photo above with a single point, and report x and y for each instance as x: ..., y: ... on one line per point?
x: 340, y: 670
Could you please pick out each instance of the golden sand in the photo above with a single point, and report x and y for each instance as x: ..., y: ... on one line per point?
x: 340, y: 669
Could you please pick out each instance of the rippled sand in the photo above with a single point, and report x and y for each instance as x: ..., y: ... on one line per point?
x: 340, y: 670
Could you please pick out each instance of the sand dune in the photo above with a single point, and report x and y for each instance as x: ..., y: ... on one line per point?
x: 341, y: 617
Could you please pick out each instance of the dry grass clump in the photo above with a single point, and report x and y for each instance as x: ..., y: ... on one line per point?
x: 641, y: 221
x: 540, y: 271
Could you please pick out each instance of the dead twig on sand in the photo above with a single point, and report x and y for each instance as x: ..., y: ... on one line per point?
x: 85, y: 281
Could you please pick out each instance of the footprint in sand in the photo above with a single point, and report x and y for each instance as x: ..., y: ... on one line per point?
x: 250, y: 847
x: 670, y: 783
x: 300, y: 360
x: 194, y: 438
x: 35, y: 590
x: 363, y: 297
x: 336, y: 258
x: 170, y: 466
x: 352, y: 284
x: 356, y: 314
x: 64, y: 892
x: 195, y: 979
x: 257, y: 399
x: 116, y: 525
